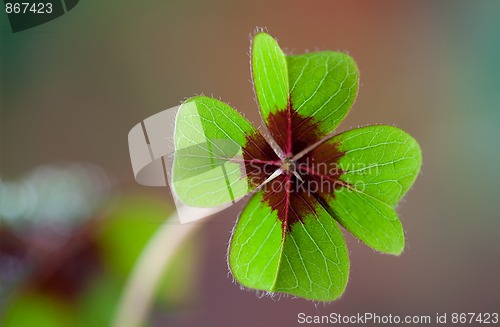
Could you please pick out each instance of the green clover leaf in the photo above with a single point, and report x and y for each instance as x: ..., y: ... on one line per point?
x: 304, y: 182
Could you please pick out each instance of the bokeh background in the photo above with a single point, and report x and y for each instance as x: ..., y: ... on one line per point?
x: 73, y: 220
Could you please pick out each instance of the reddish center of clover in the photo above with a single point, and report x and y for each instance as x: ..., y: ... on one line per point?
x: 304, y: 182
x: 288, y: 165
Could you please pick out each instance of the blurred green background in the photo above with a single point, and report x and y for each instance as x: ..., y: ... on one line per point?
x: 72, y: 89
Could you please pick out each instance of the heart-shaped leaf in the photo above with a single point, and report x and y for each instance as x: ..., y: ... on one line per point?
x: 309, y: 261
x: 215, y: 146
x: 378, y: 164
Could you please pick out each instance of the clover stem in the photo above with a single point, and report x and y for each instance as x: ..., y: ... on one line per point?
x: 137, y: 296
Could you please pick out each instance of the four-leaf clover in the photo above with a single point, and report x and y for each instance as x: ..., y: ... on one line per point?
x: 304, y: 180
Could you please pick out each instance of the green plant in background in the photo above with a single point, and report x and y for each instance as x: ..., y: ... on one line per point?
x: 82, y: 282
x: 304, y: 178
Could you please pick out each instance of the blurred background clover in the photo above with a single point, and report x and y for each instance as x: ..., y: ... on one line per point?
x: 69, y: 241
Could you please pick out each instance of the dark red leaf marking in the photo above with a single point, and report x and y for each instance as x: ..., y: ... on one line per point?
x: 292, y: 132
x: 260, y: 160
x: 304, y: 183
